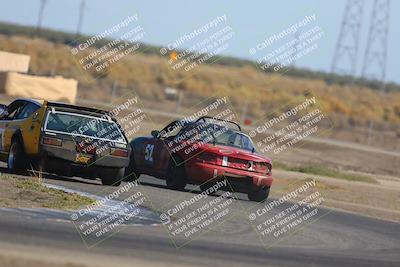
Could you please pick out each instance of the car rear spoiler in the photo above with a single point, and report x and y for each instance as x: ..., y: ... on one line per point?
x: 81, y: 108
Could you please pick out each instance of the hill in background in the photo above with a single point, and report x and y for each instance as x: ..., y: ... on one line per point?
x: 355, y: 107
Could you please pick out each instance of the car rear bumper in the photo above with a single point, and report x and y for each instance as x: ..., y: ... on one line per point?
x: 67, y: 168
x: 66, y: 156
x: 199, y: 172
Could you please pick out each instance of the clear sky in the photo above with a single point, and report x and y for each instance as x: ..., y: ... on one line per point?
x: 252, y: 22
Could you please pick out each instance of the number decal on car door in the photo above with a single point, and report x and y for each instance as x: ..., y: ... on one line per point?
x: 148, y: 153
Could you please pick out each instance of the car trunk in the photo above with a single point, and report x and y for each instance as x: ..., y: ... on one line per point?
x: 240, y: 159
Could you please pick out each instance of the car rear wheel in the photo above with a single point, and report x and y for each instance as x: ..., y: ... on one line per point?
x: 258, y: 194
x: 176, y: 177
x: 17, y: 161
x: 112, y: 177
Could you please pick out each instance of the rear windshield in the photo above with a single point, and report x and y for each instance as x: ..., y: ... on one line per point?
x: 234, y: 139
x: 83, y: 125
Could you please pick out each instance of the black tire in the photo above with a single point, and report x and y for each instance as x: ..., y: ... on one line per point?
x: 112, y: 177
x: 176, y: 176
x: 17, y: 161
x: 258, y: 194
x: 131, y: 174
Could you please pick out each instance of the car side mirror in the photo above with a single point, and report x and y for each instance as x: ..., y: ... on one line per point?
x: 3, y: 111
x: 155, y: 134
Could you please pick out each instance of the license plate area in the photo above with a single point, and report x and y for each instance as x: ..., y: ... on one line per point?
x: 83, y: 158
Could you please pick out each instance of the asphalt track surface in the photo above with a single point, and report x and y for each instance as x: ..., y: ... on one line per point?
x: 335, y: 239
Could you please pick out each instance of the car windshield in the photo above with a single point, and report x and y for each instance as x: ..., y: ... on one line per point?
x: 83, y: 125
x: 234, y: 139
x: 218, y: 134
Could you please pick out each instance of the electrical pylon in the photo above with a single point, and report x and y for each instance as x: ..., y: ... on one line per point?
x: 40, y: 16
x: 80, y: 19
x: 374, y: 66
x: 345, y: 56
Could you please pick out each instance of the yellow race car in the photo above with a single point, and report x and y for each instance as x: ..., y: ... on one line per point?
x: 63, y: 139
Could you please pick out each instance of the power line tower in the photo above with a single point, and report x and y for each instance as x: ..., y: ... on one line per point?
x: 345, y: 56
x: 376, y: 49
x: 40, y: 16
x: 80, y: 19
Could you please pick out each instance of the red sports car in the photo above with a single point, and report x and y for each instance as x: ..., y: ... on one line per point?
x: 202, y: 152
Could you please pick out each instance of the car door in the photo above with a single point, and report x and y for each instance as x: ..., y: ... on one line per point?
x: 154, y: 157
x: 3, y: 115
x: 30, y: 123
x: 9, y: 124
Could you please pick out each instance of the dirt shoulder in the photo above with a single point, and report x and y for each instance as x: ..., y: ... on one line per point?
x: 30, y: 193
x: 379, y: 200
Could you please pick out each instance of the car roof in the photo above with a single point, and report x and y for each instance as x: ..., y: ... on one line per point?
x: 38, y: 102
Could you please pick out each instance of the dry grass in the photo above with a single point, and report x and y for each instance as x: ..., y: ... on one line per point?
x: 321, y: 170
x: 149, y: 74
x: 29, y: 193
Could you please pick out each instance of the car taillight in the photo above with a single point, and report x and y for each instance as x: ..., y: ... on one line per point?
x: 269, y: 168
x: 119, y: 152
x: 52, y: 141
x: 262, y: 167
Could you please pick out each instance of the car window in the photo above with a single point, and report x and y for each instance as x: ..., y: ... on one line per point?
x: 27, y: 111
x: 83, y: 125
x: 14, y: 109
x: 222, y: 135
